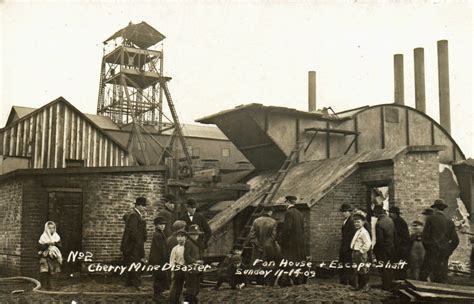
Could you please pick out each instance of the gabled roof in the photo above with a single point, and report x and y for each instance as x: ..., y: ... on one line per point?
x: 94, y: 122
x: 103, y: 122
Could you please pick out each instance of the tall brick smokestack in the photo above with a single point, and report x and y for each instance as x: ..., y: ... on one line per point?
x: 311, y: 91
x: 420, y: 98
x: 443, y: 86
x: 398, y: 79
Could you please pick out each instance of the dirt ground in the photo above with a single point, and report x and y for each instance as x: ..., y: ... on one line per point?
x: 316, y: 291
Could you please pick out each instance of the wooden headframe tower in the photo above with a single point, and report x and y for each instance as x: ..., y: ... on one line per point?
x: 132, y: 86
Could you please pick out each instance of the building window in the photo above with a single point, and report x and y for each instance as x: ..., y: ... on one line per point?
x: 225, y: 152
x: 196, y: 152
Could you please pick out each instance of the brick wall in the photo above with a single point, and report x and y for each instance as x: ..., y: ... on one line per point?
x: 325, y: 218
x: 106, y: 196
x: 416, y: 183
x: 10, y: 230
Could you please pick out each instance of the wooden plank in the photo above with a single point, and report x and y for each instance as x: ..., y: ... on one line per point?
x: 60, y: 159
x: 77, y: 136
x: 65, y: 133
x: 72, y: 138
x: 94, y: 149
x: 83, y: 139
x: 441, y: 288
x: 42, y: 148
x: 12, y: 141
x: 100, y: 163
x: 329, y: 130
x: 47, y: 147
x: 4, y: 143
x: 19, y: 138
x: 55, y: 126
x: 184, y: 183
x: 89, y: 144
x: 213, y: 195
x: 47, y: 156
x: 441, y: 297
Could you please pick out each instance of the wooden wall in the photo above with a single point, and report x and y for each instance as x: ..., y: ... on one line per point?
x: 56, y: 133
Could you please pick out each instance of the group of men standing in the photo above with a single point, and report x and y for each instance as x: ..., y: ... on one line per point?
x: 179, y: 238
x: 271, y: 244
x: 426, y: 250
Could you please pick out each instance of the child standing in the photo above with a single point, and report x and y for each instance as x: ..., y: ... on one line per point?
x: 158, y: 252
x: 51, y: 259
x: 360, y: 246
x: 177, y: 258
x: 417, y: 251
x: 192, y: 255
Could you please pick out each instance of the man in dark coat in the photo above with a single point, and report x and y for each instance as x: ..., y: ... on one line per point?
x: 440, y: 240
x: 133, y: 241
x: 193, y: 218
x: 262, y: 237
x: 346, y: 276
x: 166, y: 210
x: 401, y: 242
x: 158, y: 256
x: 292, y: 236
x: 384, y: 244
x: 192, y: 255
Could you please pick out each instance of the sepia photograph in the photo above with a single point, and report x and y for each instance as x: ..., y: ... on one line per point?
x: 238, y: 151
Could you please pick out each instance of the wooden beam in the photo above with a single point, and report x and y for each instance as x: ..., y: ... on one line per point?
x: 255, y: 146
x: 183, y: 183
x: 328, y: 130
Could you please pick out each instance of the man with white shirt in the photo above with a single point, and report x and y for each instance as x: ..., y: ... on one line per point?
x: 360, y: 246
x: 133, y: 241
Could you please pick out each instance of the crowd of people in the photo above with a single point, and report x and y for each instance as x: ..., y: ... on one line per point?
x: 180, y: 239
x: 426, y: 250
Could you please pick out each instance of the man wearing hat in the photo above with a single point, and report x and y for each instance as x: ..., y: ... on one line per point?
x: 292, y: 235
x: 158, y: 256
x: 440, y: 240
x: 384, y: 244
x: 192, y: 255
x: 133, y: 241
x: 346, y: 275
x: 193, y: 218
x: 417, y: 251
x: 401, y: 241
x: 166, y: 210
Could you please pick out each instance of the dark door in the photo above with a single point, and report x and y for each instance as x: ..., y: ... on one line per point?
x: 65, y: 209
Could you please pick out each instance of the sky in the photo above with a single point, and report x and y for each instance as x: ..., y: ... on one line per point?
x: 222, y: 54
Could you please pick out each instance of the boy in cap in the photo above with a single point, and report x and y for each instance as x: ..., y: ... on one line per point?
x: 133, y: 241
x: 158, y: 256
x: 226, y: 272
x: 177, y: 258
x: 360, y: 246
x: 417, y: 251
x: 192, y: 255
x: 172, y: 241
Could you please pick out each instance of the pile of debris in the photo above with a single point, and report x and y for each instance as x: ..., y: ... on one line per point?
x: 419, y: 291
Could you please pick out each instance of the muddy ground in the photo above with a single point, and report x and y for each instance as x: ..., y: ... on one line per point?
x: 316, y: 291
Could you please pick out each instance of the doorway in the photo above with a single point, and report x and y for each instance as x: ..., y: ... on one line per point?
x: 65, y: 209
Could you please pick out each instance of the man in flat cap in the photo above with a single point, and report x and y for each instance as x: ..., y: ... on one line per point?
x: 166, y: 210
x: 346, y: 276
x: 292, y: 235
x: 384, y: 244
x: 191, y: 217
x: 440, y: 240
x: 401, y: 241
x: 133, y: 241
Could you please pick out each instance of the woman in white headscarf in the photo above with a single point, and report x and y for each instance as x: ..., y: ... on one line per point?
x: 51, y: 259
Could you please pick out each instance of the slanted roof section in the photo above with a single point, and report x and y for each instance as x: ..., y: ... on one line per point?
x: 309, y: 181
x: 211, y: 119
x: 103, y: 122
x: 142, y: 35
x: 18, y: 112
